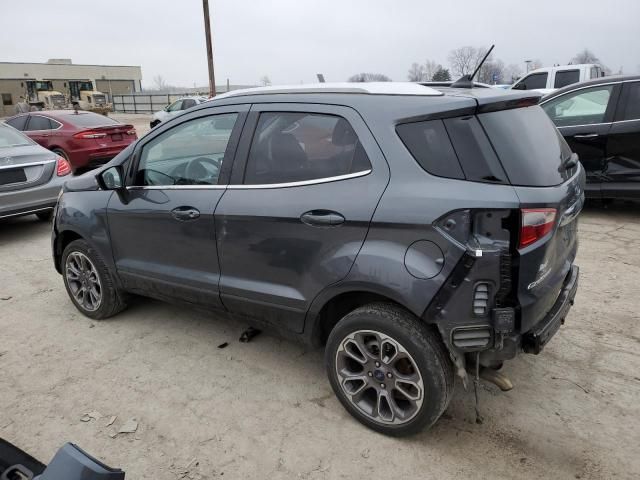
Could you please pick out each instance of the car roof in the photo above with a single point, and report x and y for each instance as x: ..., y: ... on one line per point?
x: 589, y: 83
x: 369, y: 88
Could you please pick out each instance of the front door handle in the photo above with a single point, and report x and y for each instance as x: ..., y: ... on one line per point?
x: 322, y: 218
x: 586, y: 135
x: 185, y: 213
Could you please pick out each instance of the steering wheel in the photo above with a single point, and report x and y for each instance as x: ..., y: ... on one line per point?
x: 196, y: 170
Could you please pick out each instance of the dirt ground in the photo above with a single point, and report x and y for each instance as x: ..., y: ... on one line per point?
x: 265, y: 409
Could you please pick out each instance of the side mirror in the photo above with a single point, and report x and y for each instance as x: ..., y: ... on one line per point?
x: 111, y: 178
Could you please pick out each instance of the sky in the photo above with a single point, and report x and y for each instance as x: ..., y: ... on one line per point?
x: 290, y: 41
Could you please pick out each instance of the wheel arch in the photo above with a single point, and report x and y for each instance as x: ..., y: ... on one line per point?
x: 334, y: 303
x: 61, y: 241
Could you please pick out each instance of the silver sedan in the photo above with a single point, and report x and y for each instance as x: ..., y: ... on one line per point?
x: 30, y: 176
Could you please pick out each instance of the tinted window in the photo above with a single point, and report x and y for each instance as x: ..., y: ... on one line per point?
x: 477, y: 158
x: 188, y: 103
x: 529, y: 147
x: 294, y: 147
x: 88, y: 119
x: 18, y: 122
x: 582, y: 107
x: 535, y: 80
x: 6, y: 99
x: 429, y: 144
x: 189, y: 154
x: 566, y: 77
x: 10, y: 138
x: 36, y: 122
x: 632, y: 109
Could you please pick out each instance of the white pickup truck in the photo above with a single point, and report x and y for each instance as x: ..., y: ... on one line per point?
x: 548, y: 79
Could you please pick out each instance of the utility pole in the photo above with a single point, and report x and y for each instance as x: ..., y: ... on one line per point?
x: 528, y: 63
x: 207, y: 33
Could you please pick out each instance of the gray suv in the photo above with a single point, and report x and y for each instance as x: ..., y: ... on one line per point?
x: 418, y: 234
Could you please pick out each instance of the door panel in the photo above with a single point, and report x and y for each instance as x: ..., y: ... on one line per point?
x: 622, y: 170
x: 280, y: 245
x: 162, y: 227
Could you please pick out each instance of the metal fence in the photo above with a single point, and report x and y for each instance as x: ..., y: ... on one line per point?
x: 144, y: 102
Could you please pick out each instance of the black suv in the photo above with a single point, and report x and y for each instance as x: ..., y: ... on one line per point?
x: 600, y: 119
x: 417, y: 233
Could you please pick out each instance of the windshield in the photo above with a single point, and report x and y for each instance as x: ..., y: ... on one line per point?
x: 12, y: 138
x: 88, y: 119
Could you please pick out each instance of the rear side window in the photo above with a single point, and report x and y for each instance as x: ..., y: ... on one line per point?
x: 297, y: 146
x: 533, y: 81
x: 36, y: 122
x: 632, y: 108
x: 567, y: 77
x: 89, y: 119
x: 529, y: 147
x: 429, y: 144
x: 18, y: 122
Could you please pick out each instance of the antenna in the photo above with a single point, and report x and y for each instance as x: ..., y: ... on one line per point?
x: 481, y: 62
x: 466, y: 81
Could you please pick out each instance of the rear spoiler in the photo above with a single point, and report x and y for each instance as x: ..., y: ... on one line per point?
x: 507, y: 104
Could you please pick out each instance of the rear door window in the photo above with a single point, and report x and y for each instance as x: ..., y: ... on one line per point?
x: 188, y: 103
x: 533, y: 81
x: 632, y: 105
x: 566, y: 77
x: 529, y: 147
x: 298, y: 146
x: 582, y: 107
x: 37, y: 122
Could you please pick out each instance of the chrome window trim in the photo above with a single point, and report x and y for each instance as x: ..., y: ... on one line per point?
x: 29, y: 164
x: 176, y: 187
x: 585, y: 88
x: 302, y: 183
x: 600, y: 124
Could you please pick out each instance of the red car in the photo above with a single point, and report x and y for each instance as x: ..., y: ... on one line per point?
x: 86, y: 139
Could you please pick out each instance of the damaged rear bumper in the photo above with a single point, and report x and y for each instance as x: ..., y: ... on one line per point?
x: 534, y: 340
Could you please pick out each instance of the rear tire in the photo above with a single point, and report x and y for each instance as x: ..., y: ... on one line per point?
x: 389, y: 370
x: 89, y: 283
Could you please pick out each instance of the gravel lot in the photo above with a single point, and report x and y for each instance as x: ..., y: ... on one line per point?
x: 265, y: 409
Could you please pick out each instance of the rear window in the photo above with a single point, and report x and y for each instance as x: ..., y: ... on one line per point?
x: 89, y: 120
x: 529, y: 147
x: 566, y: 77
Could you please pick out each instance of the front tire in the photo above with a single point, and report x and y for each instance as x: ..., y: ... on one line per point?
x: 89, y: 283
x: 389, y: 370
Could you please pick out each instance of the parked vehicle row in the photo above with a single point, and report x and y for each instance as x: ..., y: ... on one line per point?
x: 414, y: 231
x: 86, y: 139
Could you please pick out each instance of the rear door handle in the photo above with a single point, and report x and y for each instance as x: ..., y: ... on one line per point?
x: 322, y: 218
x: 185, y: 213
x: 586, y: 135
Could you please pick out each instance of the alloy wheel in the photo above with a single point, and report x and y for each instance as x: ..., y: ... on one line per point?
x: 379, y: 377
x: 83, y: 280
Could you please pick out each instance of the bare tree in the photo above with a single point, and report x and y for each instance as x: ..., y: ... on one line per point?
x: 160, y: 83
x: 430, y: 68
x: 265, y: 80
x: 369, y: 77
x: 492, y: 71
x: 463, y: 60
x: 585, y: 56
x: 416, y: 73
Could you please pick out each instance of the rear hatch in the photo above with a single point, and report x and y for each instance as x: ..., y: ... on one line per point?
x: 25, y: 167
x: 550, y: 185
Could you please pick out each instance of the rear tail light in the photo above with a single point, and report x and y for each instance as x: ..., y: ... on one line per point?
x: 536, y: 223
x: 87, y: 134
x: 62, y: 167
